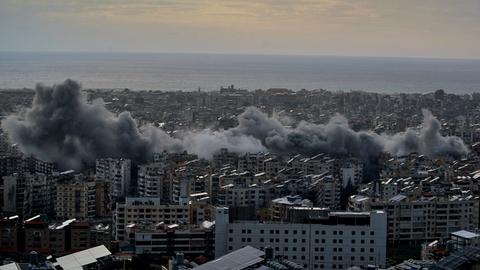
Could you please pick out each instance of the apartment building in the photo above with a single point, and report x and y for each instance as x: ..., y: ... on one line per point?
x: 117, y: 172
x: 146, y: 210
x: 417, y: 220
x: 151, y: 180
x: 76, y: 198
x: 335, y: 240
x: 328, y: 190
x: 168, y: 240
x: 240, y: 196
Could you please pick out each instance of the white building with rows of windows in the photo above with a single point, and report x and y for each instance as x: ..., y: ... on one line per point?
x: 334, y: 240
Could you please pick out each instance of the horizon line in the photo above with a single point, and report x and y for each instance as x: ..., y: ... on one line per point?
x: 242, y: 54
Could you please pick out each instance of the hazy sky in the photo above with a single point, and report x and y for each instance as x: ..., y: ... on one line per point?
x: 424, y: 28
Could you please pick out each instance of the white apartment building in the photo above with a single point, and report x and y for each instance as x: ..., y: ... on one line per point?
x: 151, y: 180
x: 117, y: 172
x: 337, y: 240
x: 328, y: 191
x: 253, y: 196
x: 389, y: 188
x: 318, y: 164
x: 426, y: 218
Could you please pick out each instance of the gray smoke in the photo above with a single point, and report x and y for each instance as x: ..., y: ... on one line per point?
x: 337, y: 138
x: 62, y: 127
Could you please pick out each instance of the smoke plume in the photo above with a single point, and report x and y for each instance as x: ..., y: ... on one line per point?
x: 62, y: 127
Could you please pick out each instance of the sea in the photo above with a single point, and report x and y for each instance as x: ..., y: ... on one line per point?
x: 189, y: 72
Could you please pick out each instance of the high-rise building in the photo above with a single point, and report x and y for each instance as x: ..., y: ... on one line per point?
x: 117, y: 172
x: 75, y: 198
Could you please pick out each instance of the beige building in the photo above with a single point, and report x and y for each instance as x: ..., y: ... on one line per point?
x: 75, y: 199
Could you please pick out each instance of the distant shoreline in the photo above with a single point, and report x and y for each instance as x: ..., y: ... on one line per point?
x: 188, y: 72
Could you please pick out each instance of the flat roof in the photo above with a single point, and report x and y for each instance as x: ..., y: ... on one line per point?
x: 79, y: 259
x: 465, y: 234
x: 236, y: 260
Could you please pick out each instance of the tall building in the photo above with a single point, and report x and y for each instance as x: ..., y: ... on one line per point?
x: 117, y: 172
x: 151, y: 180
x: 17, y: 195
x: 42, y: 193
x: 333, y: 240
x: 76, y: 198
x: 328, y: 191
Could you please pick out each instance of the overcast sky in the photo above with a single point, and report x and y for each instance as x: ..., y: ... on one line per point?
x: 413, y: 28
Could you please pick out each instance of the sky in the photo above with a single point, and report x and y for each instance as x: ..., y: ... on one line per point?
x: 403, y: 28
